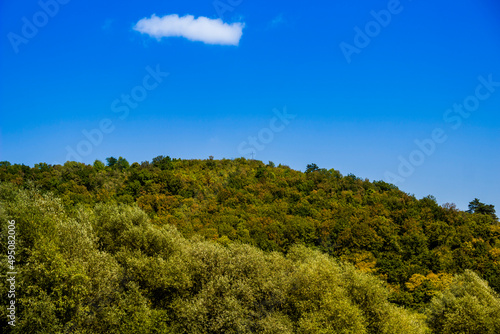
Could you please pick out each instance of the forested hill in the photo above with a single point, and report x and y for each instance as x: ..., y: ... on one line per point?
x: 415, y: 245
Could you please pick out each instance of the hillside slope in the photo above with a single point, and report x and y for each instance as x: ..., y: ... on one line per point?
x: 416, y: 246
x: 110, y: 269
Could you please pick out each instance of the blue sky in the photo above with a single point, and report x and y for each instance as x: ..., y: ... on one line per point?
x: 358, y: 111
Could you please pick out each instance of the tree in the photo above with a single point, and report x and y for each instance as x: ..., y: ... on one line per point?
x: 162, y: 162
x: 476, y: 206
x: 99, y: 165
x: 111, y: 161
x: 469, y: 305
x: 312, y: 168
x: 122, y: 163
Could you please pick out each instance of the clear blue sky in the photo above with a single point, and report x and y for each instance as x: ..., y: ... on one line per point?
x: 360, y: 116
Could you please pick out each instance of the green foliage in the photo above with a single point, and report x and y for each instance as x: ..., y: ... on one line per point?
x: 111, y: 161
x: 99, y: 165
x: 163, y: 163
x: 312, y: 168
x: 172, y: 235
x: 109, y: 269
x: 469, y: 305
x: 120, y: 163
x: 476, y: 206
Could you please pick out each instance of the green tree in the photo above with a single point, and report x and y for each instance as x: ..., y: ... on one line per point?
x: 99, y: 165
x: 476, y: 206
x: 312, y: 168
x: 469, y: 305
x: 111, y: 161
x: 162, y: 162
x: 122, y: 164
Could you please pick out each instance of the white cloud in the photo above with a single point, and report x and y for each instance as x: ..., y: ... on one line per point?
x: 203, y: 29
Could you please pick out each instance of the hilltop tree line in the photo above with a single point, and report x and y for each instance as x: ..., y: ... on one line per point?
x: 139, y: 227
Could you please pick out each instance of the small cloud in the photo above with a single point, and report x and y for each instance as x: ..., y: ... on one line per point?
x: 278, y: 20
x: 202, y: 29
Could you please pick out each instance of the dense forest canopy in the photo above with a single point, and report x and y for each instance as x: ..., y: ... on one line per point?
x: 240, y: 246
